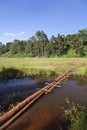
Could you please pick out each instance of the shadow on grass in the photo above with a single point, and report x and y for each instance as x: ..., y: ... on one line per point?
x: 9, y: 73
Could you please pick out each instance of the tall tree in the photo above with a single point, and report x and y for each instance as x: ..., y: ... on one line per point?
x: 42, y: 41
x: 60, y: 43
x: 53, y: 43
x: 16, y: 47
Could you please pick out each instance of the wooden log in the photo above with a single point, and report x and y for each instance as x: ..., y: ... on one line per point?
x: 9, y: 122
x: 11, y: 115
x: 17, y: 108
x: 20, y: 106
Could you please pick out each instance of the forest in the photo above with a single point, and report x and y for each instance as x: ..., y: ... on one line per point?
x: 39, y: 45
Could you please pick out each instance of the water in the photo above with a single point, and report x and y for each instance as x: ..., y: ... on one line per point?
x: 16, y: 90
x: 46, y: 112
x: 17, y: 85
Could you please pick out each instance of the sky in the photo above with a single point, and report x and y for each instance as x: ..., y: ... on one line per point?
x: 20, y: 19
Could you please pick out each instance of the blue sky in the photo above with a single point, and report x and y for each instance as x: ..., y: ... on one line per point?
x: 20, y: 19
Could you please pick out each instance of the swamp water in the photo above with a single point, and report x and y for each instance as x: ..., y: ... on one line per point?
x: 46, y: 112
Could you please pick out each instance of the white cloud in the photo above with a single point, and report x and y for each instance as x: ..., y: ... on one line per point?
x: 22, y: 33
x: 14, y: 34
x: 9, y: 34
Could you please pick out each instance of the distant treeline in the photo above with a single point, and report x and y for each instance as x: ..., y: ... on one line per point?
x: 71, y: 45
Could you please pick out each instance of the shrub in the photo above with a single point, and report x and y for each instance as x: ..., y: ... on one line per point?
x: 76, y: 115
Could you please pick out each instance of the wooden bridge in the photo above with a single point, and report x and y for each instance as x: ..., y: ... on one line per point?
x: 7, y: 119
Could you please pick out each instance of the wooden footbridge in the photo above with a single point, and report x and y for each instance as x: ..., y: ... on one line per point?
x: 7, y: 119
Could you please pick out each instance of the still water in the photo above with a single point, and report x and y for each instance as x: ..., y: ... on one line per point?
x: 16, y: 90
x: 46, y: 112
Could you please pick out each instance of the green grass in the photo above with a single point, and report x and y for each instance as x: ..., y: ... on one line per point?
x: 81, y: 71
x: 45, y: 66
x: 75, y: 116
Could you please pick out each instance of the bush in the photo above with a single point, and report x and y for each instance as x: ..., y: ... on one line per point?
x: 76, y: 115
x: 71, y: 53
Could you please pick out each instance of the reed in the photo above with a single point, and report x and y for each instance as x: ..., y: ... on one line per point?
x: 14, y: 67
x: 75, y: 116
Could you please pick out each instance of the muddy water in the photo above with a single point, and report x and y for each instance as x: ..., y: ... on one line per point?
x: 46, y: 112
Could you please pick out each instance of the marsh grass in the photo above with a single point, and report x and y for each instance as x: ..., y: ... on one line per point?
x: 75, y: 116
x: 41, y: 66
x: 81, y: 71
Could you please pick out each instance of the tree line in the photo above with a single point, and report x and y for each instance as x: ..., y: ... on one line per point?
x: 71, y: 45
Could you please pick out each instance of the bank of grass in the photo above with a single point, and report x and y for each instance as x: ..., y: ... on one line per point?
x: 43, y: 66
x: 81, y: 71
x: 74, y: 117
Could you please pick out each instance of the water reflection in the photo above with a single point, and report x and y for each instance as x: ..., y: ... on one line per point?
x: 80, y: 80
x: 16, y: 86
x: 16, y: 90
x: 46, y: 112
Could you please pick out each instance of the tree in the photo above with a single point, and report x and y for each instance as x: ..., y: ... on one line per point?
x: 29, y: 48
x: 42, y: 41
x: 53, y: 43
x: 1, y: 45
x: 2, y: 48
x: 39, y: 45
x: 16, y: 47
x: 60, y: 43
x: 82, y: 42
x: 8, y: 46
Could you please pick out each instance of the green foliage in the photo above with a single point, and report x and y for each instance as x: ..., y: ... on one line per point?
x: 85, y: 51
x: 81, y: 71
x: 39, y: 45
x: 38, y: 72
x: 71, y: 53
x: 8, y: 73
x: 76, y: 115
x: 37, y: 66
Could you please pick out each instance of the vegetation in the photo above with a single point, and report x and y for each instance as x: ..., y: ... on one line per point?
x: 19, y: 67
x: 75, y: 117
x: 8, y: 73
x: 70, y: 48
x: 39, y: 45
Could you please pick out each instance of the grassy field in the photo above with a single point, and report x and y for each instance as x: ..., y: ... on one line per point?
x: 44, y: 66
